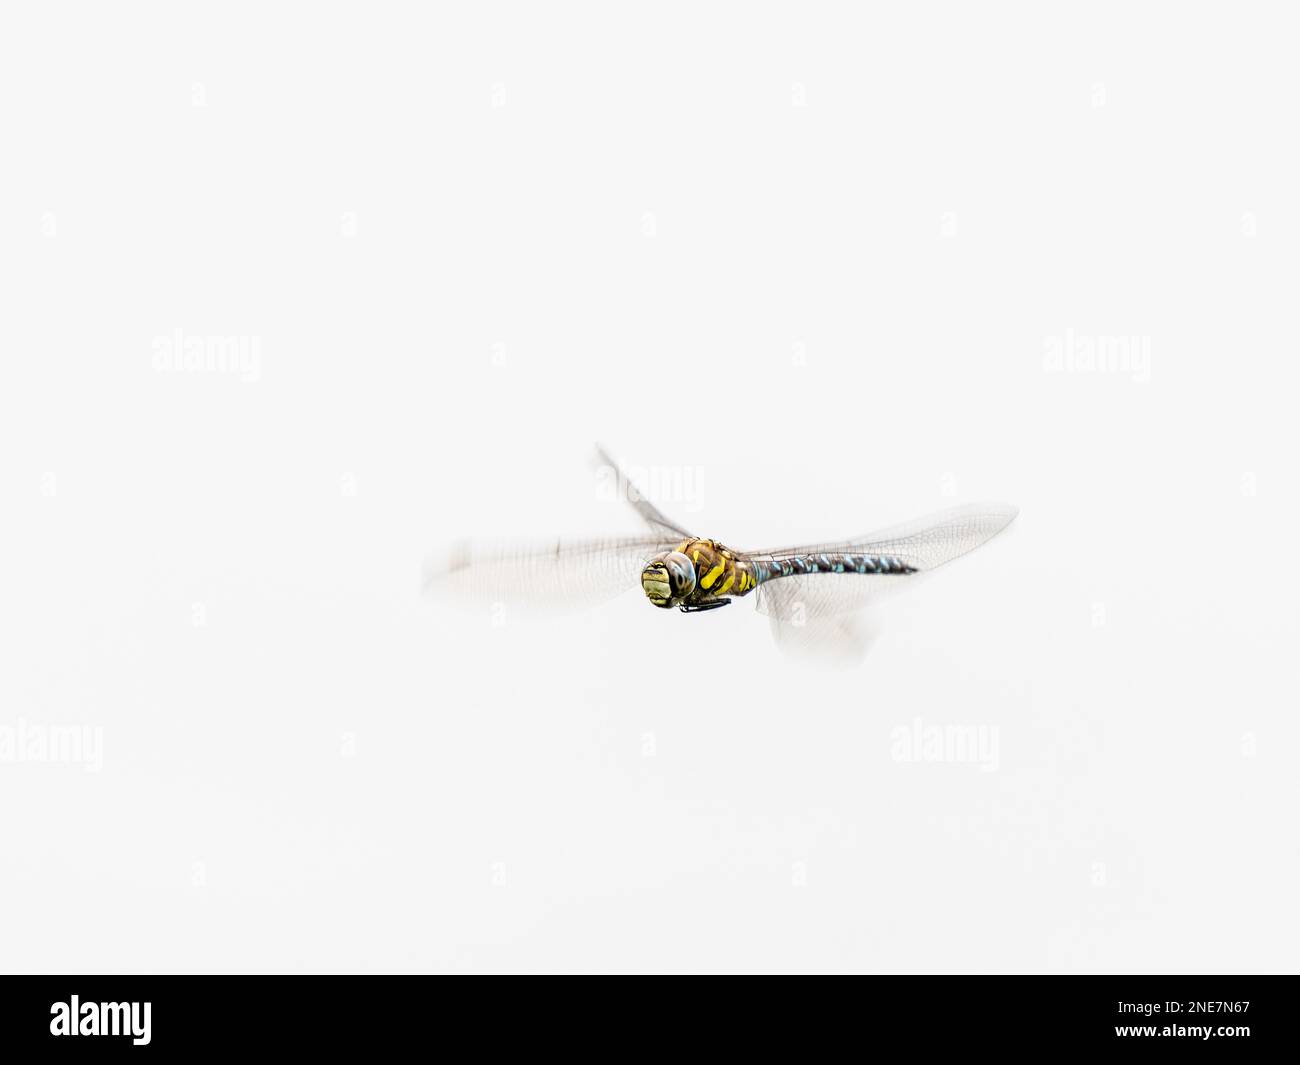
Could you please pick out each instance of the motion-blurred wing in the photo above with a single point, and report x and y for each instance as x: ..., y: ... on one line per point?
x: 921, y: 545
x: 552, y: 574
x: 841, y: 639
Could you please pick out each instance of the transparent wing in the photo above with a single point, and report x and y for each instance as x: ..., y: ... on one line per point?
x: 809, y: 596
x: 923, y: 544
x: 659, y: 524
x: 836, y: 639
x: 554, y: 574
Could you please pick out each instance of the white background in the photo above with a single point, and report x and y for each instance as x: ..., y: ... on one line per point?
x: 812, y: 261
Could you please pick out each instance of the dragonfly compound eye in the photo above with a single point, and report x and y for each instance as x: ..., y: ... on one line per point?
x: 681, y: 572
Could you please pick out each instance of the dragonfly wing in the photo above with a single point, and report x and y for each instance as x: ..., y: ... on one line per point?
x: 922, y: 545
x: 799, y: 598
x: 659, y: 524
x: 829, y: 639
x: 554, y: 574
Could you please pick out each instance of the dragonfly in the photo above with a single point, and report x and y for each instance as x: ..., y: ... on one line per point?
x: 810, y: 593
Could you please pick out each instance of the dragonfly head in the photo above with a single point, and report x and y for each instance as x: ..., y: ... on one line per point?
x: 668, y: 579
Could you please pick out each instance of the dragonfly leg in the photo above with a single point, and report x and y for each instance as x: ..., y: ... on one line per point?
x: 712, y: 604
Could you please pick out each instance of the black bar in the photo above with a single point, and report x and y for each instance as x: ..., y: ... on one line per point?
x: 374, y: 1014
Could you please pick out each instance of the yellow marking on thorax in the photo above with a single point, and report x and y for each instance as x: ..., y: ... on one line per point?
x: 722, y: 590
x: 707, y: 580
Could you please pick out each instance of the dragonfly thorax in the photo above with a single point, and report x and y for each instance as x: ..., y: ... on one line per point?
x: 668, y: 579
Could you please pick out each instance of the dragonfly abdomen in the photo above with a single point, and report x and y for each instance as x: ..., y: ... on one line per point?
x: 830, y: 562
